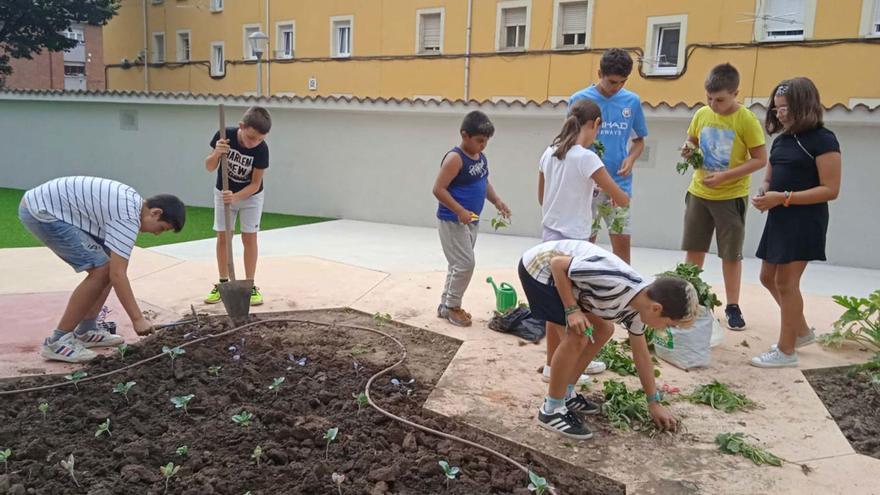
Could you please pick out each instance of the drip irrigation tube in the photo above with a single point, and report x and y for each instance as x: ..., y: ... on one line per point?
x: 375, y: 406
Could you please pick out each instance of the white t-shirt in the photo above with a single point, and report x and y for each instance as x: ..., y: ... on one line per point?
x: 568, y: 191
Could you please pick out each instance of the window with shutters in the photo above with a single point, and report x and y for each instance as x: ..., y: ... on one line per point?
x: 572, y: 20
x: 429, y: 31
x: 216, y: 6
x: 158, y: 48
x: 285, y: 43
x: 341, y: 29
x: 513, y: 25
x: 784, y: 20
x: 665, y: 44
x: 218, y: 59
x: 870, y: 22
x: 247, y: 47
x: 184, y: 48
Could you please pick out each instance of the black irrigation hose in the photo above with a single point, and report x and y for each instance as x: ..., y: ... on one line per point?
x: 432, y: 431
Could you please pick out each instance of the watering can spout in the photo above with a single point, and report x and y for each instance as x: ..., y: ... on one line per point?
x: 489, y: 280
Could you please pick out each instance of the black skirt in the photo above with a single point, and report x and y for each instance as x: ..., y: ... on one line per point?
x: 796, y: 233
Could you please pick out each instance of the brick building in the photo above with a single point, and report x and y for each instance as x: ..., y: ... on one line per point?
x: 80, y: 68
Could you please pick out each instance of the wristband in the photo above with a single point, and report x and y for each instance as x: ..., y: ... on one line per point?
x: 572, y: 309
x: 656, y: 397
x: 788, y: 196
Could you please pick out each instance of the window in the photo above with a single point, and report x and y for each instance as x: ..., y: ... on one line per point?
x: 429, y: 31
x: 340, y: 35
x: 572, y: 20
x: 248, y: 47
x: 870, y: 22
x: 158, y: 48
x: 875, y: 21
x: 784, y: 20
x: 284, y: 43
x: 218, y: 59
x: 664, y: 45
x: 71, y: 70
x: 216, y: 5
x: 513, y: 30
x: 184, y: 50
x: 75, y: 34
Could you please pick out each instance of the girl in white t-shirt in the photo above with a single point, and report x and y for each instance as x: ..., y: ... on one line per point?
x: 568, y: 173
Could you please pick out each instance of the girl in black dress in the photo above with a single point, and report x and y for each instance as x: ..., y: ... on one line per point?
x: 802, y: 176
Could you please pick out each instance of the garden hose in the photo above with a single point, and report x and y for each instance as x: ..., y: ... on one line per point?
x: 375, y: 406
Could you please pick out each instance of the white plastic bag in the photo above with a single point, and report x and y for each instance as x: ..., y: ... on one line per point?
x: 690, y: 346
x: 717, y: 331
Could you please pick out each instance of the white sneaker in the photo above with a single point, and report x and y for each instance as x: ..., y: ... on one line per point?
x: 99, y: 338
x: 594, y: 368
x: 775, y: 359
x: 67, y: 349
x: 801, y: 341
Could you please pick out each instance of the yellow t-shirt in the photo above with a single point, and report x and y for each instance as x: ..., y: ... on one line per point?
x: 725, y: 141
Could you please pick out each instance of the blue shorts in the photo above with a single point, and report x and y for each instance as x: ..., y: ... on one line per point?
x: 76, y: 247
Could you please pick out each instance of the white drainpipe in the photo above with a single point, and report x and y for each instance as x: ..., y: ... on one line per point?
x: 269, y: 44
x: 467, y: 53
x: 146, y: 51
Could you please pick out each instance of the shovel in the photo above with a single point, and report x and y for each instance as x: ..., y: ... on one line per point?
x: 235, y: 294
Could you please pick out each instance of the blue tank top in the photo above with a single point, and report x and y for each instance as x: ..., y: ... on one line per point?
x: 468, y: 187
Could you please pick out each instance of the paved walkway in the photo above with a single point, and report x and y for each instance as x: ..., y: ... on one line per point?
x: 492, y: 382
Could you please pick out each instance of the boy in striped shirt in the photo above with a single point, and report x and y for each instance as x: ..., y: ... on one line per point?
x: 92, y: 224
x: 580, y: 289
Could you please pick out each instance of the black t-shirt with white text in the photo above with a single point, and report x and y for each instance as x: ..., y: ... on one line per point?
x: 242, y: 161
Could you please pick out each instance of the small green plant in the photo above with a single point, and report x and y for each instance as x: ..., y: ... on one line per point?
x: 168, y: 471
x: 243, y: 418
x: 598, y: 148
x: 339, y: 479
x: 123, y: 388
x: 626, y: 409
x: 214, y: 370
x: 694, y: 160
x: 173, y: 353
x: 381, y: 318
x: 275, y: 387
x: 617, y: 360
x: 719, y: 396
x: 451, y: 472
x: 618, y: 215
x: 691, y: 273
x: 4, y: 456
x: 257, y: 455
x: 104, y: 428
x: 182, y: 451
x: 329, y: 436
x: 537, y: 484
x: 181, y: 401
x: 75, y: 377
x: 68, y: 466
x: 358, y: 350
x: 735, y: 443
x: 43, y: 408
x: 860, y: 322
x: 122, y: 349
x: 500, y: 222
x: 361, y: 400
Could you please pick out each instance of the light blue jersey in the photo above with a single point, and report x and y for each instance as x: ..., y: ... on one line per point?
x: 622, y: 118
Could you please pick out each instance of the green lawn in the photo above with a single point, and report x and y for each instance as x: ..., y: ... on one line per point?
x: 199, y: 224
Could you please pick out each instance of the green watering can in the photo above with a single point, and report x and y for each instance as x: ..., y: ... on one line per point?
x: 505, y: 296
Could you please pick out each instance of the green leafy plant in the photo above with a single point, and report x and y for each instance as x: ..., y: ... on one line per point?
x: 618, y: 215
x: 257, y: 455
x: 381, y: 318
x: 538, y: 484
x: 329, y: 436
x: 181, y: 401
x: 361, y: 400
x: 860, y: 322
x: 598, y: 148
x: 4, y: 456
x: 275, y: 387
x: 617, y: 360
x: 68, y: 466
x: 500, y: 221
x: 339, y: 479
x: 694, y: 160
x: 243, y: 418
x: 626, y: 409
x: 871, y: 369
x: 182, y: 451
x: 173, y: 353
x: 358, y: 350
x: 214, y: 370
x: 451, y: 472
x: 168, y: 471
x: 123, y: 388
x: 691, y: 273
x: 43, y: 408
x: 104, y: 428
x: 719, y: 396
x: 735, y: 443
x: 75, y: 377
x: 122, y: 349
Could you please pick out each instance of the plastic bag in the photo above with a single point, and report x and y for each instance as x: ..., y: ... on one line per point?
x: 691, y: 346
x: 519, y: 322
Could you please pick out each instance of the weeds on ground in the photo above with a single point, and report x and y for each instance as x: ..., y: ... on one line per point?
x: 627, y: 409
x: 719, y: 396
x: 735, y: 444
x: 618, y: 361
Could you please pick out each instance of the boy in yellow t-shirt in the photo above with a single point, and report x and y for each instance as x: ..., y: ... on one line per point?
x: 732, y: 142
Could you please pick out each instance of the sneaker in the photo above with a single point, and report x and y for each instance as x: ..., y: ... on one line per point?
x: 595, y: 367
x: 564, y: 422
x: 800, y: 341
x: 256, y: 297
x: 213, y: 297
x: 775, y: 359
x: 442, y: 311
x: 98, y: 338
x: 67, y: 349
x: 734, y: 318
x: 458, y: 317
x: 581, y: 404
x: 584, y: 379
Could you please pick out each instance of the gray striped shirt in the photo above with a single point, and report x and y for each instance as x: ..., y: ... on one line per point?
x: 108, y: 210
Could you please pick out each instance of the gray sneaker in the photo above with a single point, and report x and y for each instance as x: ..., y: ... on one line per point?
x: 801, y: 341
x: 775, y: 359
x: 67, y: 349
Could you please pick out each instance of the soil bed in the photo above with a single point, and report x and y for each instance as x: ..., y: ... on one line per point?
x: 854, y: 403
x: 376, y: 454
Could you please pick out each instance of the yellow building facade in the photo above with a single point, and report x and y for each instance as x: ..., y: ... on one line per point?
x: 493, y: 49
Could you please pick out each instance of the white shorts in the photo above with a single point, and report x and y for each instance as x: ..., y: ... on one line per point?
x: 251, y: 210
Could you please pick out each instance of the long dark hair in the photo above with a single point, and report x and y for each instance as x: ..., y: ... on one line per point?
x: 580, y: 113
x: 804, y: 106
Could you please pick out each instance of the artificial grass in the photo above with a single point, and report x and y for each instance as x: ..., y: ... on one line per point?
x: 199, y: 224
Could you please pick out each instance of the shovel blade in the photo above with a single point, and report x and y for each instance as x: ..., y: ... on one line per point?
x: 236, y: 297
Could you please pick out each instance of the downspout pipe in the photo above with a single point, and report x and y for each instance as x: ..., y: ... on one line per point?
x: 269, y: 45
x: 146, y: 51
x: 467, y: 52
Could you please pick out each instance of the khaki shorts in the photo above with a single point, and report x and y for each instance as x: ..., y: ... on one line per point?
x: 726, y: 218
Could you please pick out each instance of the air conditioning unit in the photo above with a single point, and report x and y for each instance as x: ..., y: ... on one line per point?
x: 313, y: 84
x: 283, y: 54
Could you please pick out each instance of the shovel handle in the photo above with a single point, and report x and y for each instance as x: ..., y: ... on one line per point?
x: 227, y: 211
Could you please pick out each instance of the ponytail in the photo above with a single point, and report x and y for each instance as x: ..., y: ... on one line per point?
x: 579, y: 113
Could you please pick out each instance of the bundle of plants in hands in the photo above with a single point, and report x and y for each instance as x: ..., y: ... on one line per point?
x: 694, y: 159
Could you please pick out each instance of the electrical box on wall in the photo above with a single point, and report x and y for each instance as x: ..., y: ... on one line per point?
x: 313, y: 84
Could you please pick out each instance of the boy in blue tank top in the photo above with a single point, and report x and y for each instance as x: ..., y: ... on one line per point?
x: 462, y: 187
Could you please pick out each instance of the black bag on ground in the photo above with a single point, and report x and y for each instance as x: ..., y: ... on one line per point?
x: 519, y: 322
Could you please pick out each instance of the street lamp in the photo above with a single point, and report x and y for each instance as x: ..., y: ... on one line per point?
x: 258, y: 41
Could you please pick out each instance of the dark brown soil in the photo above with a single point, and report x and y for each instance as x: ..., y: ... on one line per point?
x: 854, y: 403
x: 376, y: 454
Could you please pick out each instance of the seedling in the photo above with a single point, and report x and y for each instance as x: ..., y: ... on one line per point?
x: 4, y: 456
x: 329, y: 436
x: 616, y: 359
x: 68, y: 466
x: 451, y: 472
x: 381, y: 318
x: 719, y: 396
x: 75, y: 377
x: 537, y: 484
x: 123, y: 388
x: 182, y: 451
x: 122, y: 349
x: 257, y: 455
x: 168, y: 471
x: 43, y: 408
x: 361, y: 400
x: 276, y: 385
x: 500, y: 222
x: 181, y: 401
x: 104, y: 428
x: 214, y: 370
x: 243, y: 418
x: 339, y: 479
x: 173, y: 353
x: 734, y: 443
x: 695, y: 159
x: 598, y: 148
